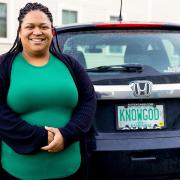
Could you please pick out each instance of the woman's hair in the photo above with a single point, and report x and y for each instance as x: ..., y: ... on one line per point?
x: 17, y: 46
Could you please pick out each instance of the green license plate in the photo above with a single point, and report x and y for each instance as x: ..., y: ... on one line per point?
x: 140, y: 116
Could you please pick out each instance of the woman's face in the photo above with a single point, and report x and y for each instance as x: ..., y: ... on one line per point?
x: 36, y: 33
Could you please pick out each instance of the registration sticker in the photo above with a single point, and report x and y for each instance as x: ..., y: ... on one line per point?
x: 140, y: 116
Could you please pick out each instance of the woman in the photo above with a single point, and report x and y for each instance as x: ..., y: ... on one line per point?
x: 47, y: 103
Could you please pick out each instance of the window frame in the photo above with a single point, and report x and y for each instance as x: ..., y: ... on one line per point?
x: 11, y: 26
x: 70, y: 11
x: 2, y: 3
x: 113, y: 18
x: 70, y: 7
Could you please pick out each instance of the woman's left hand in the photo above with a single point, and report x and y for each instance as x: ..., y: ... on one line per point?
x: 57, y: 144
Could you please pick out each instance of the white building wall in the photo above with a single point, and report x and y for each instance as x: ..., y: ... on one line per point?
x: 135, y: 10
x: 95, y: 11
x: 168, y: 11
x: 88, y: 11
x: 152, y: 10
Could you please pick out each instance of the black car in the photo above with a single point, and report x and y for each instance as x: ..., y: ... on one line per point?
x: 135, y: 69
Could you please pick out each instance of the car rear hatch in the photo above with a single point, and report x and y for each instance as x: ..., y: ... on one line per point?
x: 135, y: 72
x: 136, y: 150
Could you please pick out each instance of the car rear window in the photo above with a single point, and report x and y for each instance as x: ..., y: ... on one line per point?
x: 155, y: 48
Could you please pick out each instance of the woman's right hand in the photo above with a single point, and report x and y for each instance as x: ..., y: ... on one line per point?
x: 58, y: 142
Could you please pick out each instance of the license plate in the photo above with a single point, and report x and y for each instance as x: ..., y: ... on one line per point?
x: 140, y: 116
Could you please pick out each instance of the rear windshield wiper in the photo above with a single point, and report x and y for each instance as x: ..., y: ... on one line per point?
x: 123, y: 67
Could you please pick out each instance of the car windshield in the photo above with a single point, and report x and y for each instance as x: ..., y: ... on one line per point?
x: 153, y: 48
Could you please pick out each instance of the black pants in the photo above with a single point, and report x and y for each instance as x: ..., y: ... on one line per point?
x: 6, y: 176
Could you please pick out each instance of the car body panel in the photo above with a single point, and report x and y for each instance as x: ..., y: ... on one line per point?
x: 141, y: 153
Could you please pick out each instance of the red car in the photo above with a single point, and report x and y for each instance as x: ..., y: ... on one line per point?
x: 135, y: 69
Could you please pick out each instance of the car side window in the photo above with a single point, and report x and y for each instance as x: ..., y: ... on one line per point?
x: 173, y: 55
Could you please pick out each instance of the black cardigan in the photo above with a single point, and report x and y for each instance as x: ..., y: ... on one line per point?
x: 24, y: 138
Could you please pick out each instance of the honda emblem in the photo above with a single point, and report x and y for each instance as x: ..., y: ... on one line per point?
x: 141, y: 88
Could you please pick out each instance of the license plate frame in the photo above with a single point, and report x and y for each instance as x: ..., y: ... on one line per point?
x: 155, y: 114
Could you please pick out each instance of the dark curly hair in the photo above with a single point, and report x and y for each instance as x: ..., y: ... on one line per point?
x: 17, y: 45
x: 32, y: 7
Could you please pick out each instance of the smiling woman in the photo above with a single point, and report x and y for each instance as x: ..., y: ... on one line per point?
x: 47, y: 103
x: 36, y: 35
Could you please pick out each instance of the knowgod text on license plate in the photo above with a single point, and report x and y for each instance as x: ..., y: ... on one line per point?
x: 140, y: 116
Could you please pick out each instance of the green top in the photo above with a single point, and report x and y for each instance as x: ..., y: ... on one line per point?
x: 44, y: 96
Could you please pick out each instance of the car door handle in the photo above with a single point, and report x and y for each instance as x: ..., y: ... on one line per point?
x: 148, y: 158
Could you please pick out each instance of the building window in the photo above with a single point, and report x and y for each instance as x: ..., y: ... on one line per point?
x: 69, y: 17
x: 114, y: 18
x: 3, y: 20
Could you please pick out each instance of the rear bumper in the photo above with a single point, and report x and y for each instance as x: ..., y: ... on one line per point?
x: 120, y: 156
x: 137, y: 141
